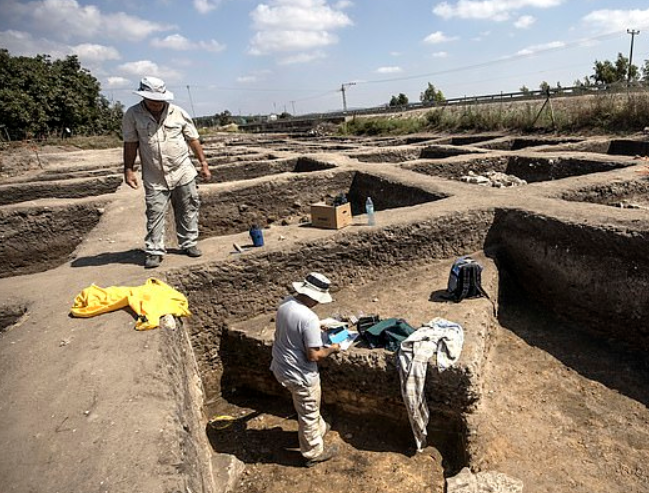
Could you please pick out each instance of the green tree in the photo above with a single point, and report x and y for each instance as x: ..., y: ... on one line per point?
x: 524, y: 89
x: 431, y: 95
x: 400, y: 100
x: 544, y: 86
x: 39, y: 97
x: 607, y: 72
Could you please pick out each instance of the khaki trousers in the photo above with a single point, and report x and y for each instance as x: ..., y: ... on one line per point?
x: 185, y: 202
x: 311, y: 425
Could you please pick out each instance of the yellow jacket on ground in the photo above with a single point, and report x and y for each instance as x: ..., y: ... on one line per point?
x: 149, y: 302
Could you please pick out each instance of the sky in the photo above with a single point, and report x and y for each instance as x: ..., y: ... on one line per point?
x: 254, y: 57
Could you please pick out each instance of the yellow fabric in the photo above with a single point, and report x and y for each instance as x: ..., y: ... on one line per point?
x: 150, y: 302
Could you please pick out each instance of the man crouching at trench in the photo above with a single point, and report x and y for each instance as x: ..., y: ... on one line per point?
x: 297, y: 349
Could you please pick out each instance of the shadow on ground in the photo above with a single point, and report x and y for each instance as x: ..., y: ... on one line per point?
x: 605, y: 361
x: 134, y: 256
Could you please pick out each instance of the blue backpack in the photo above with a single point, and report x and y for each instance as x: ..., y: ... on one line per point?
x: 465, y: 280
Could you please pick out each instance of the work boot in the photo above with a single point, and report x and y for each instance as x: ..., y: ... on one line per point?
x: 193, y: 251
x: 152, y: 261
x: 328, y: 453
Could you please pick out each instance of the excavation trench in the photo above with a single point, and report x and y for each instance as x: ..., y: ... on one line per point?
x: 531, y: 169
x: 288, y: 199
x: 398, y: 271
x: 40, y: 237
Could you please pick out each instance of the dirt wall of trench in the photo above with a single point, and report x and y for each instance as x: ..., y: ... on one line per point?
x: 36, y: 239
x: 594, y: 275
x: 253, y: 285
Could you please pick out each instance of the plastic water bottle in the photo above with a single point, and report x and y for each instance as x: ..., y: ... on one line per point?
x: 369, y: 210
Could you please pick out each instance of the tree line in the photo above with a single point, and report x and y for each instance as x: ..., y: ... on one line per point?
x: 41, y: 98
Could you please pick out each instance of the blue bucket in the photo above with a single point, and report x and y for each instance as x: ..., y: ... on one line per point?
x: 257, y: 236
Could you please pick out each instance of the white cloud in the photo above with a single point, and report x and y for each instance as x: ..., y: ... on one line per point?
x: 143, y: 68
x: 530, y: 50
x: 93, y: 53
x: 302, y: 58
x: 389, y: 70
x: 180, y: 43
x: 495, y: 10
x: 440, y: 54
x: 118, y: 83
x: 438, y: 37
x: 343, y: 4
x: 66, y: 19
x: 617, y: 20
x: 524, y: 22
x: 20, y: 43
x: 266, y: 42
x: 296, y: 25
x: 205, y: 6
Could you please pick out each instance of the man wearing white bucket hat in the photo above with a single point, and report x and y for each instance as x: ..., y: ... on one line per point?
x: 162, y: 133
x: 297, y: 349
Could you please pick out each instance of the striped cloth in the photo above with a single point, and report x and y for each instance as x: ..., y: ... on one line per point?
x: 440, y: 338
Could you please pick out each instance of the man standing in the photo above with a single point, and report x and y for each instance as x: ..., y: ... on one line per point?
x: 297, y: 349
x: 162, y: 133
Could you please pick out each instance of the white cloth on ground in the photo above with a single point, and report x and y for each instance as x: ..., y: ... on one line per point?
x: 438, y: 337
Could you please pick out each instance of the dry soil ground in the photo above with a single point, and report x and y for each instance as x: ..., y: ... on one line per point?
x: 563, y: 411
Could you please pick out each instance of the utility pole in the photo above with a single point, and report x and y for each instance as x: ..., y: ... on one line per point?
x: 633, y: 33
x: 293, y: 106
x: 344, y: 87
x: 191, y: 102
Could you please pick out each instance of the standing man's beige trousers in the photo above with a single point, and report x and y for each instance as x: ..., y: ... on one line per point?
x: 311, y: 426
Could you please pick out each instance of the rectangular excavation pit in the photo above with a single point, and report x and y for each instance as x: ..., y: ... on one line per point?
x: 256, y: 169
x: 631, y: 194
x: 393, y: 155
x: 595, y: 275
x: 69, y: 189
x: 39, y: 238
x: 621, y: 147
x: 288, y: 199
x: 400, y: 266
x: 529, y: 168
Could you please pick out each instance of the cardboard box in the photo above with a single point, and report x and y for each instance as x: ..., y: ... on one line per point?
x: 330, y: 217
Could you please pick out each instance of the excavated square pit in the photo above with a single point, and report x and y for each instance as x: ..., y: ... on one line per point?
x: 631, y: 194
x: 65, y: 189
x: 529, y: 168
x: 40, y: 237
x: 287, y: 199
x: 398, y: 271
x: 246, y: 170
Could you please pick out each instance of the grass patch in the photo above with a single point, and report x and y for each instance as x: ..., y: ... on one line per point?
x: 606, y: 113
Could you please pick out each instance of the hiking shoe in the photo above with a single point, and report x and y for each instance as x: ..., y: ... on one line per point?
x: 193, y: 251
x: 152, y: 261
x: 328, y: 453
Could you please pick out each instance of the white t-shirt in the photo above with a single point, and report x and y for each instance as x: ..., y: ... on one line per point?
x: 297, y: 328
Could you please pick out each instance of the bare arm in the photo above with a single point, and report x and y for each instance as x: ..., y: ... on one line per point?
x: 320, y: 353
x: 130, y: 153
x: 197, y: 149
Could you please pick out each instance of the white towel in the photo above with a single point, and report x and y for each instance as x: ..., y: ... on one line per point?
x: 441, y: 337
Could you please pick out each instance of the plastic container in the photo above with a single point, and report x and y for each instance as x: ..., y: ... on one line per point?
x: 257, y: 236
x: 369, y: 210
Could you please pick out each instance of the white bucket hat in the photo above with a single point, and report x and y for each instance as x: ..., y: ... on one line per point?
x: 154, y: 89
x: 315, y: 286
